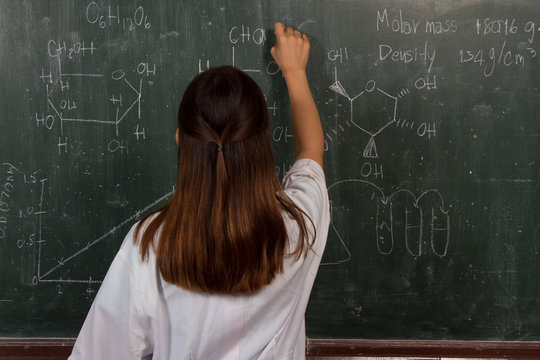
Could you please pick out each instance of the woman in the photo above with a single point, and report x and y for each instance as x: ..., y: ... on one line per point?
x: 225, y: 269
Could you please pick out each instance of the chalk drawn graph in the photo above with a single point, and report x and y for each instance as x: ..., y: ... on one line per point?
x: 45, y: 276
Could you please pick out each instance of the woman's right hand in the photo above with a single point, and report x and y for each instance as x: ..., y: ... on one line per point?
x: 291, y: 51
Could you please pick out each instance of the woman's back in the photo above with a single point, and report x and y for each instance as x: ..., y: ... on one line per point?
x: 225, y: 269
x: 163, y: 321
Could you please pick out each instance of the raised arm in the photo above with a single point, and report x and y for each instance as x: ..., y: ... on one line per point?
x: 291, y: 53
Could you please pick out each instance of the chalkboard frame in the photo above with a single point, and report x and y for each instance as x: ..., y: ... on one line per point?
x: 316, y: 349
x: 334, y: 347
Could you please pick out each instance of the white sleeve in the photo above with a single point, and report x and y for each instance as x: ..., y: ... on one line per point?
x: 114, y: 327
x: 305, y: 184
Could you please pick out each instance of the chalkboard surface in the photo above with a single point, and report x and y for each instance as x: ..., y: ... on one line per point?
x: 431, y: 113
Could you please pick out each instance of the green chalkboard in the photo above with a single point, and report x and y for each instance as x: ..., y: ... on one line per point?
x: 431, y: 113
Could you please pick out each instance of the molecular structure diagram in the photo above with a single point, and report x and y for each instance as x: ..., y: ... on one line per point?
x: 386, y: 113
x: 68, y: 100
x: 62, y: 84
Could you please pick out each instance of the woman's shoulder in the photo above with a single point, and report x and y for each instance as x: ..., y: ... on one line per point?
x: 304, y: 167
x: 305, y: 185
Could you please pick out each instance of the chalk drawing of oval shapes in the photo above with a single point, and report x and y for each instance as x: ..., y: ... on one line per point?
x: 436, y: 221
x: 407, y: 222
x: 353, y: 217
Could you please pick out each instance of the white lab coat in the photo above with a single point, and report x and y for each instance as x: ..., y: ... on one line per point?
x: 137, y: 315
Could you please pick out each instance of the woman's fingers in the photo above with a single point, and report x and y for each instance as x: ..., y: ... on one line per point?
x: 291, y: 50
x: 279, y: 29
x: 289, y: 30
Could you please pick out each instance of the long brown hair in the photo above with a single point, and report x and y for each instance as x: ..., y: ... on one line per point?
x: 223, y: 230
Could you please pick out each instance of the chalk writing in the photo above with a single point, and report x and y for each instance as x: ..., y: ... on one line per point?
x: 487, y: 57
x: 497, y: 26
x: 20, y: 212
x: 56, y: 49
x: 406, y: 56
x: 243, y: 34
x: 400, y: 24
x: 338, y: 55
x: 488, y: 60
x: 112, y: 16
x: 5, y: 197
x: 282, y: 133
